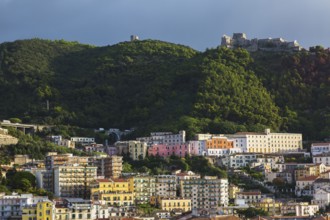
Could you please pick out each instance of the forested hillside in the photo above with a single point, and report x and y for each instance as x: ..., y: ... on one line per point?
x: 153, y: 85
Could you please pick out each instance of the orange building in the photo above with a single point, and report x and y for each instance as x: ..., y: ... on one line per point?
x: 219, y: 143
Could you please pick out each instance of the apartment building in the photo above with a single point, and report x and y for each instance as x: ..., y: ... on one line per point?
x: 73, y: 180
x: 11, y: 206
x: 180, y: 150
x: 83, y: 140
x: 311, y: 170
x: 44, y: 210
x: 239, y: 160
x: 137, y: 150
x: 113, y: 192
x: 267, y: 142
x: 169, y: 204
x: 166, y: 138
x: 206, y: 193
x: 322, y: 158
x: 299, y: 209
x: 197, y: 148
x: 53, y: 160
x: 166, y: 186
x: 320, y: 148
x: 109, y: 167
x: 144, y: 188
x: 250, y: 197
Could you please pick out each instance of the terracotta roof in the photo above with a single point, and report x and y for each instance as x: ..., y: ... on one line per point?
x: 308, y: 178
x: 322, y: 180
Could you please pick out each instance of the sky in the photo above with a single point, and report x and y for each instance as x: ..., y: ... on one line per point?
x: 199, y: 24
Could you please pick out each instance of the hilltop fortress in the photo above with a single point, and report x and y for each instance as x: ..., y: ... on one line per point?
x: 269, y: 44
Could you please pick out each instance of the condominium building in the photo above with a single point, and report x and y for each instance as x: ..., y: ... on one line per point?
x: 311, y: 170
x: 83, y: 140
x: 270, y: 205
x: 53, y: 159
x: 207, y: 193
x: 168, y: 204
x: 44, y: 210
x: 239, y: 160
x: 322, y: 158
x: 109, y: 167
x: 197, y: 148
x: 144, y: 188
x: 163, y: 150
x: 299, y: 209
x: 166, y: 186
x: 137, y: 150
x: 113, y: 192
x: 250, y: 197
x: 267, y: 142
x: 166, y: 138
x: 11, y: 206
x: 219, y: 142
x: 73, y: 181
x: 320, y: 148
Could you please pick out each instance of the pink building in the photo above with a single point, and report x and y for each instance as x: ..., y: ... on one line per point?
x: 163, y: 150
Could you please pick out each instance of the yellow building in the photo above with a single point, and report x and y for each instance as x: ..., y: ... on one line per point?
x: 42, y: 211
x: 233, y: 189
x: 271, y: 206
x: 113, y: 192
x: 62, y: 212
x: 168, y: 204
x: 111, y: 185
x: 312, y: 170
x: 118, y: 198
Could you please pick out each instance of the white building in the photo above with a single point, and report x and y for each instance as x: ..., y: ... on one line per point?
x: 299, y: 209
x: 239, y: 160
x: 222, y: 152
x: 166, y: 186
x: 83, y: 140
x: 253, y: 197
x: 321, y: 197
x: 320, y: 148
x: 207, y: 193
x: 11, y: 206
x: 73, y: 181
x: 267, y: 142
x: 167, y: 138
x: 322, y: 158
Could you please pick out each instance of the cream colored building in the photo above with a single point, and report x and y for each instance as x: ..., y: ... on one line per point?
x: 73, y: 181
x: 137, y: 150
x: 267, y: 142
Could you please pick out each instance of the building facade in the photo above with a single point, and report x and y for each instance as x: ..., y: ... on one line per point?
x: 207, y: 193
x: 73, y: 181
x: 267, y: 142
